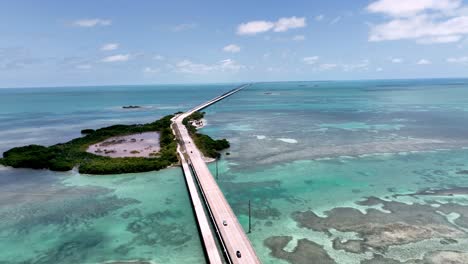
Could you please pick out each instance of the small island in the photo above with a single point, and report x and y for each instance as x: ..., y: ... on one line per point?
x: 115, y: 149
x: 208, y: 146
x: 131, y: 107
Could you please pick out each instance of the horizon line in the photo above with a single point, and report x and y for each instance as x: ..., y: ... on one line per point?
x: 236, y: 82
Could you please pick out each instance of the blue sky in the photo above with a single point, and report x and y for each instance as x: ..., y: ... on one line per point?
x: 66, y: 43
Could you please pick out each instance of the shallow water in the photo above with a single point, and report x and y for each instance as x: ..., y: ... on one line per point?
x: 295, y: 147
x: 319, y: 146
x: 70, y: 218
x: 49, y: 217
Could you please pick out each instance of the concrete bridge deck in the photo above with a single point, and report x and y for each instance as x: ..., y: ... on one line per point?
x: 232, y: 236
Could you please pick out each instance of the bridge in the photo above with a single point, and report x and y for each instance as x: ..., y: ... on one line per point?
x: 226, y: 240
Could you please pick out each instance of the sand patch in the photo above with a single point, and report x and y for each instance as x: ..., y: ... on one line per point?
x: 136, y: 145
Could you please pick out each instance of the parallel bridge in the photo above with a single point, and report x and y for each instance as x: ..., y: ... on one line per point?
x: 227, y: 241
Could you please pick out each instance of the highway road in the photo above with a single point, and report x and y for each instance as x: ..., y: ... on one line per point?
x: 228, y: 228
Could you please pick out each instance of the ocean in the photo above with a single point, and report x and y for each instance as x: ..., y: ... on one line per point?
x: 341, y: 172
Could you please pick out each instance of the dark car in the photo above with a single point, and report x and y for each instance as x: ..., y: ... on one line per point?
x: 238, y: 254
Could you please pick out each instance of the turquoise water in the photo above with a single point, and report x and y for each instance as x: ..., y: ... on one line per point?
x: 48, y: 217
x: 318, y: 146
x: 295, y: 147
x: 51, y: 115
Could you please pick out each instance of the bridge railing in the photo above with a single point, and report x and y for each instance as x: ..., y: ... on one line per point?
x: 213, y: 220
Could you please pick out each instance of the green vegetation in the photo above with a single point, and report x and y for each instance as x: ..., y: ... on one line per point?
x: 65, y: 156
x: 87, y: 131
x: 208, y: 146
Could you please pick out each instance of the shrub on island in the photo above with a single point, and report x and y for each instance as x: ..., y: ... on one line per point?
x: 87, y: 131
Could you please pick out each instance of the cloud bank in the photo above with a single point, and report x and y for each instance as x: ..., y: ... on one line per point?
x: 424, y: 21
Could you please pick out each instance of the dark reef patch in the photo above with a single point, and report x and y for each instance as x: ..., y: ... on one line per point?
x: 74, y: 250
x: 261, y: 195
x: 131, y: 213
x: 446, y: 257
x: 459, y: 209
x: 448, y: 241
x: 441, y: 192
x: 129, y: 262
x: 379, y: 230
x: 66, y: 213
x: 158, y: 228
x: 434, y: 257
x: 379, y: 259
x: 305, y: 252
x: 353, y: 246
x: 449, y: 207
x: 370, y: 201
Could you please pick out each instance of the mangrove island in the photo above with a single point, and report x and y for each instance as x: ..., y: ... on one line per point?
x: 112, y: 150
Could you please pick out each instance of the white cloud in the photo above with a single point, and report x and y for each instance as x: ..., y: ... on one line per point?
x: 284, y: 24
x: 110, y: 46
x: 396, y: 60
x: 424, y: 62
x: 398, y: 8
x: 310, y: 60
x: 254, y: 27
x: 233, y: 48
x: 319, y: 17
x: 116, y: 58
x: 460, y: 60
x: 92, y: 22
x: 439, y: 39
x: 227, y: 65
x: 299, y: 38
x: 425, y: 21
x: 422, y: 28
x: 230, y: 65
x: 379, y: 69
x: 150, y: 70
x: 261, y: 26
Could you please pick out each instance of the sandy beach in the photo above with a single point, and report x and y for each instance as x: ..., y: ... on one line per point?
x: 136, y: 145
